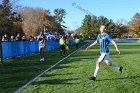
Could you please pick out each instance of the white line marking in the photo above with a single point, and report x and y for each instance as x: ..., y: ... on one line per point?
x: 45, y: 71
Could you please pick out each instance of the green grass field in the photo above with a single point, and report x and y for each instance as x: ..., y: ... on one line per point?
x: 72, y: 75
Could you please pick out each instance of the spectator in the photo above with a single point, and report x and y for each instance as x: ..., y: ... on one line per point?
x: 31, y: 38
x: 18, y: 37
x: 67, y: 42
x: 35, y: 38
x: 41, y: 39
x: 23, y: 38
x: 12, y: 38
x: 5, y: 38
x: 62, y: 46
x: 77, y: 40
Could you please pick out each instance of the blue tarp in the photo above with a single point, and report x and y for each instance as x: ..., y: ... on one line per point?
x: 18, y: 48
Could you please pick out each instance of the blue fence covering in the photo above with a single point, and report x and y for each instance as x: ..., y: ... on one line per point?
x: 13, y: 49
x: 52, y: 45
x: 18, y: 48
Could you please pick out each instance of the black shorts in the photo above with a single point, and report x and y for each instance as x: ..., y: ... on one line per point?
x: 62, y: 47
x: 77, y: 44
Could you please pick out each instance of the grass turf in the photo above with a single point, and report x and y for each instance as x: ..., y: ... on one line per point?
x: 72, y: 75
x: 16, y: 72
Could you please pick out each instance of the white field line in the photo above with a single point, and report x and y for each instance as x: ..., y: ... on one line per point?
x: 45, y: 71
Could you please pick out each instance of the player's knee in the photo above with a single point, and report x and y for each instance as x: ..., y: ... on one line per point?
x: 109, y: 63
x: 97, y: 63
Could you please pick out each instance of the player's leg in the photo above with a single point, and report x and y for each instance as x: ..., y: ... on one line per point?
x: 67, y: 47
x: 43, y: 54
x: 101, y: 58
x: 61, y: 50
x: 64, y: 50
x: 97, y: 68
x: 76, y: 45
x: 113, y: 64
x: 96, y: 71
x: 40, y: 51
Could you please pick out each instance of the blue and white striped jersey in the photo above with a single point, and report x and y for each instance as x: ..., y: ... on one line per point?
x: 104, y: 40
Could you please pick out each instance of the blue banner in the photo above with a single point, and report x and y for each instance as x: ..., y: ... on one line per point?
x: 18, y: 48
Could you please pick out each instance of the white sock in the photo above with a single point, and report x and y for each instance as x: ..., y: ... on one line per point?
x: 115, y: 65
x: 43, y: 59
x: 96, y: 71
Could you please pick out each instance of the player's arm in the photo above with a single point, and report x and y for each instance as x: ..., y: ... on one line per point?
x: 38, y: 38
x: 93, y: 44
x: 116, y: 46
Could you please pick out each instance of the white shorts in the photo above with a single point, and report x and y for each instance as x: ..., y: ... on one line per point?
x: 41, y: 47
x: 104, y: 57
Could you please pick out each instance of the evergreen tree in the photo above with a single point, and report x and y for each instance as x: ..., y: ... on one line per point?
x: 86, y: 27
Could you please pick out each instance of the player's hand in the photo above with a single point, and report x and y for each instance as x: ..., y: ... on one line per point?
x: 118, y: 52
x: 87, y: 48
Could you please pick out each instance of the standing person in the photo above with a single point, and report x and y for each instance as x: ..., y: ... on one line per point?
x: 31, y: 38
x: 41, y: 39
x: 18, y: 37
x: 5, y: 37
x: 77, y: 40
x: 103, y: 39
x: 23, y: 38
x: 67, y: 43
x: 12, y: 38
x: 62, y: 46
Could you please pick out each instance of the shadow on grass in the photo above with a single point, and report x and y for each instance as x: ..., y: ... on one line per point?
x: 56, y: 81
x: 123, y: 78
x: 16, y: 72
x: 63, y: 67
x: 51, y: 75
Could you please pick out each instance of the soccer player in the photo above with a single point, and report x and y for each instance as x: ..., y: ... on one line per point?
x: 41, y: 39
x: 62, y: 46
x: 103, y: 39
x: 77, y: 40
x: 67, y: 42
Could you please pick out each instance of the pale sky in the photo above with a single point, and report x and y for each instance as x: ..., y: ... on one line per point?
x: 112, y: 9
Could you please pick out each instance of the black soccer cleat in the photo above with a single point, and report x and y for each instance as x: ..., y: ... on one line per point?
x: 120, y: 69
x: 92, y: 78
